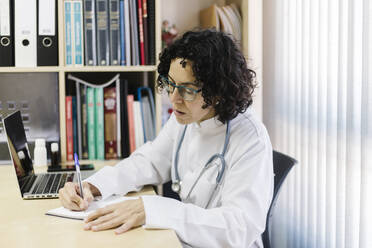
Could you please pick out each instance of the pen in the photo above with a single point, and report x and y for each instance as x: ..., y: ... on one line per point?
x: 78, y: 174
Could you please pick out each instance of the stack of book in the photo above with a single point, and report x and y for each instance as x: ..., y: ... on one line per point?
x: 225, y: 18
x: 109, y: 32
x: 104, y: 121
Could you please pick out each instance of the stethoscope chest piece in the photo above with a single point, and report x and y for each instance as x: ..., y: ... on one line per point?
x: 176, y: 187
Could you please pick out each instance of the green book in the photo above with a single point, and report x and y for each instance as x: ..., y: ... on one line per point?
x: 100, y: 128
x: 91, y: 124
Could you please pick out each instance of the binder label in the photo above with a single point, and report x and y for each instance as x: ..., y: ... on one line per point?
x: 47, y: 12
x: 4, y: 18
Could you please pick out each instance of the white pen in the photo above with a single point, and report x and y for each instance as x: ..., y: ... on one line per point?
x: 78, y: 174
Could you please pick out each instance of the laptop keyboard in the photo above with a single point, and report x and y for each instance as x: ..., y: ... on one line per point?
x: 51, y: 183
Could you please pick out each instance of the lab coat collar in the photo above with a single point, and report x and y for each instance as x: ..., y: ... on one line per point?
x: 209, y: 124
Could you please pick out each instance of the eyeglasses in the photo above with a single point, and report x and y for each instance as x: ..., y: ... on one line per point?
x: 187, y: 94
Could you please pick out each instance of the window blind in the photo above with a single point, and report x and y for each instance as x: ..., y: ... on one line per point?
x: 317, y: 106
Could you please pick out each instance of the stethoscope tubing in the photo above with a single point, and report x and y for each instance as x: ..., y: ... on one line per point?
x: 176, y: 186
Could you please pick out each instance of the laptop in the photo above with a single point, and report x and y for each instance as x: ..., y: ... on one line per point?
x: 31, y: 185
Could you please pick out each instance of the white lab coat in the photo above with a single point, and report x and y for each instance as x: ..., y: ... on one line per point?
x: 236, y: 216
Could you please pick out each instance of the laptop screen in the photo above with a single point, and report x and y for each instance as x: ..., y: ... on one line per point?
x: 18, y: 147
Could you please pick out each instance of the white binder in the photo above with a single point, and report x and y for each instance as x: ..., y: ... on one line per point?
x: 25, y: 33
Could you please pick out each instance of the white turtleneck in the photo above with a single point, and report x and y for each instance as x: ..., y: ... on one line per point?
x: 236, y: 215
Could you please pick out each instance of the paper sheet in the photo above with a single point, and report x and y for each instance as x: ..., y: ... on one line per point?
x: 80, y: 215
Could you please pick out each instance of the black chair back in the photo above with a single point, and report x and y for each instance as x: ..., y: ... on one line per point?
x: 282, y: 165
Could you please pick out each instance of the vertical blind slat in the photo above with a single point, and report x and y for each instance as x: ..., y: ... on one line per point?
x: 322, y: 122
x: 353, y: 126
x: 331, y: 150
x: 366, y: 130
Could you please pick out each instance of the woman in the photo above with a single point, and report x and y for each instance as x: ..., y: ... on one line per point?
x: 223, y: 205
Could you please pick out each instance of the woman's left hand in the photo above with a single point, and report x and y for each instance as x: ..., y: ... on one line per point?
x: 124, y: 215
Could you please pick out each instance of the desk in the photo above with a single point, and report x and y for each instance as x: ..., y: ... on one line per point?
x: 23, y: 223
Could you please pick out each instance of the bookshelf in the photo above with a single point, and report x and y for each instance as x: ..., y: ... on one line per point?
x: 62, y: 71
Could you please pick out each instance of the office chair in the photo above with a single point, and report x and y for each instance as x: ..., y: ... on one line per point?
x: 282, y: 165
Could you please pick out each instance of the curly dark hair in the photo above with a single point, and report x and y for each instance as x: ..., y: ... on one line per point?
x: 218, y: 66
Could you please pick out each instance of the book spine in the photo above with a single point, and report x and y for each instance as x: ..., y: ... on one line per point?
x: 78, y: 117
x: 74, y: 125
x: 84, y: 127
x: 138, y: 125
x: 114, y: 32
x: 127, y: 33
x: 69, y: 129
x: 78, y: 30
x: 110, y: 123
x: 145, y: 30
x: 91, y: 124
x: 122, y: 34
x: 68, y: 33
x: 103, y: 51
x: 132, y: 138
x: 140, y: 32
x: 99, y: 117
x: 125, y: 151
x: 151, y: 30
x: 118, y: 118
x: 90, y: 32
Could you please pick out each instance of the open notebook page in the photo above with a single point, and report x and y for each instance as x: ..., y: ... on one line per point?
x: 80, y: 215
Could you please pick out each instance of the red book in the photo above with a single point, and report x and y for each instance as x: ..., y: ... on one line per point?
x: 110, y: 123
x: 69, y: 129
x: 140, y: 25
x: 145, y: 31
x: 132, y: 140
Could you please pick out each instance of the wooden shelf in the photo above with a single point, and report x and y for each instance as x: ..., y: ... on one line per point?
x: 141, y: 68
x: 30, y: 69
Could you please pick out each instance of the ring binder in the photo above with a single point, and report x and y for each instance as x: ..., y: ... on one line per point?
x: 6, y: 33
x: 47, y: 38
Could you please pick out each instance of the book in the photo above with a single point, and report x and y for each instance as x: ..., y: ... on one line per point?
x: 91, y: 124
x: 114, y: 15
x: 132, y: 139
x: 103, y: 40
x: 100, y: 124
x: 74, y: 125
x: 147, y: 108
x: 125, y: 151
x: 69, y: 129
x: 209, y: 17
x: 110, y: 123
x: 81, y: 215
x: 134, y: 32
x: 151, y: 30
x: 84, y: 121
x: 78, y: 38
x: 90, y: 32
x: 79, y: 119
x: 118, y: 118
x: 138, y: 124
x: 68, y: 33
x: 127, y: 33
x: 140, y: 33
x: 122, y: 34
x: 145, y: 30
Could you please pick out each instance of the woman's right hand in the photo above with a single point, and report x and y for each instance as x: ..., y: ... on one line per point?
x: 70, y: 197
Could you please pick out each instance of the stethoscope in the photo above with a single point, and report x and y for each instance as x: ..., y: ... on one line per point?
x: 176, y: 184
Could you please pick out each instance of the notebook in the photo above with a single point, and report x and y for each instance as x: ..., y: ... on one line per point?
x: 31, y: 185
x: 81, y: 215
